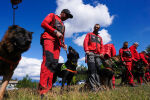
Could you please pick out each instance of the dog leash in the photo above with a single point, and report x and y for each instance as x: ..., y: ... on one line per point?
x: 15, y: 6
x: 63, y: 67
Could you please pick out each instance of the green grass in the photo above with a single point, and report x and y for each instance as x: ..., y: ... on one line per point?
x: 120, y: 93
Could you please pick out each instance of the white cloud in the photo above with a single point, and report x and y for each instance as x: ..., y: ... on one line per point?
x: 61, y: 59
x: 105, y: 36
x: 28, y: 66
x: 79, y: 40
x: 85, y: 16
x: 31, y: 67
x: 82, y: 59
x: 103, y: 33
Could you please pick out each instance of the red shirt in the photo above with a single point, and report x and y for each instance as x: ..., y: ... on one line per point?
x: 134, y: 53
x: 125, y: 54
x: 50, y: 23
x: 93, y: 43
x: 110, y: 50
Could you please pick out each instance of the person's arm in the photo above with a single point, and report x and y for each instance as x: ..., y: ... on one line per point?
x: 113, y: 51
x: 143, y: 59
x: 121, y: 53
x: 46, y: 23
x: 132, y: 50
x: 85, y: 43
x: 63, y: 45
x: 102, y: 47
x: 137, y: 54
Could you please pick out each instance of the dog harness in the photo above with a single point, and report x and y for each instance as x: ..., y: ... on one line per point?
x: 63, y: 67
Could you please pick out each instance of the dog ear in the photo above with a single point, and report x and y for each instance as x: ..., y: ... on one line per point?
x: 11, y: 28
x: 31, y: 32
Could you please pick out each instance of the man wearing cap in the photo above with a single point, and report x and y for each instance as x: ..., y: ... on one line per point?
x: 52, y: 40
x: 93, y: 47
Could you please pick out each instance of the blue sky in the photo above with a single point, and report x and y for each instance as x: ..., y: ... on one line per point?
x: 121, y: 20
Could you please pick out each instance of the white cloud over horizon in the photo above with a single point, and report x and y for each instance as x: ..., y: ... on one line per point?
x: 85, y: 16
x: 30, y: 67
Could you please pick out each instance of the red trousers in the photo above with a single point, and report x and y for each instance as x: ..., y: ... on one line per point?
x: 129, y: 73
x: 51, y: 51
x: 113, y: 81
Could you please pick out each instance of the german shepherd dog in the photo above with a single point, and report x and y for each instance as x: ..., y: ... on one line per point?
x: 68, y: 69
x: 110, y: 67
x: 139, y: 70
x: 15, y: 41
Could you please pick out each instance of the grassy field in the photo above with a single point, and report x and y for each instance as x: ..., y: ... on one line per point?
x: 120, y: 93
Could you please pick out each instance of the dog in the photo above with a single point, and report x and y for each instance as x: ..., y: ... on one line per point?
x: 15, y: 41
x: 110, y: 67
x: 138, y: 71
x: 68, y: 69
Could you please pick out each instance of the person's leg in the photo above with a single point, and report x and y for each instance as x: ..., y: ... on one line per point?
x: 91, y: 72
x: 113, y: 81
x: 48, y: 66
x: 98, y: 63
x: 129, y: 73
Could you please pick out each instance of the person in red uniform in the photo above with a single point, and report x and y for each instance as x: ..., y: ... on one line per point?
x: 93, y: 47
x: 126, y: 58
x: 136, y: 58
x: 143, y: 58
x: 110, y: 51
x: 51, y: 40
x: 148, y: 67
x: 134, y: 52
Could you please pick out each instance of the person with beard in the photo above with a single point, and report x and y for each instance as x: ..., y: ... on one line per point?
x: 126, y: 58
x: 52, y: 40
x: 93, y: 47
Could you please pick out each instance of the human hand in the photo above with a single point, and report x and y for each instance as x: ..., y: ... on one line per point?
x: 65, y: 47
x: 124, y: 63
x: 87, y: 52
x: 58, y: 34
x: 101, y: 55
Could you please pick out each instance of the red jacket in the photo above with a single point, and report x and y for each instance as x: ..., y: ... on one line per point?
x: 93, y: 43
x: 142, y: 57
x: 50, y: 23
x: 125, y: 54
x: 110, y: 50
x: 134, y: 53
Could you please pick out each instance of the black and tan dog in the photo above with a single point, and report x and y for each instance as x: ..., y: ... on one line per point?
x: 67, y: 70
x: 15, y: 41
x: 110, y: 67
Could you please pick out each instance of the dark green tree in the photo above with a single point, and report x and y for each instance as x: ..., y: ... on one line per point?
x: 26, y: 82
x: 81, y: 74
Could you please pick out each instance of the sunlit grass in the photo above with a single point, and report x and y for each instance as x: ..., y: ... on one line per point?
x: 120, y: 93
